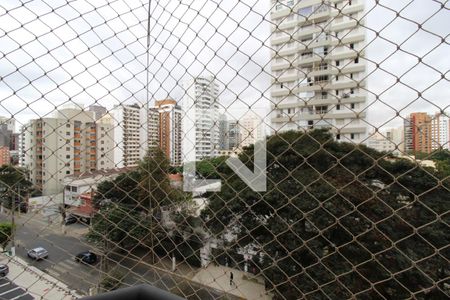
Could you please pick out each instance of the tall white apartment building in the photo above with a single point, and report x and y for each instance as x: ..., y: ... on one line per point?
x: 130, y: 123
x: 200, y: 119
x: 64, y: 144
x: 440, y: 132
x: 164, y: 129
x: 318, y: 67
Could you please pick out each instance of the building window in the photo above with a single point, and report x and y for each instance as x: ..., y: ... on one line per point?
x: 67, y: 172
x: 352, y: 46
x: 337, y: 63
x: 338, y: 107
x: 337, y: 92
x: 352, y: 136
x: 67, y: 148
x: 352, y: 91
x: 351, y: 75
x: 67, y: 156
x: 356, y: 60
x: 352, y: 105
x: 68, y: 125
x: 338, y: 136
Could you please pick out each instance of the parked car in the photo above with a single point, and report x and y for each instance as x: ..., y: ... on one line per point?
x: 70, y: 219
x: 38, y: 253
x: 86, y: 257
x: 4, y: 270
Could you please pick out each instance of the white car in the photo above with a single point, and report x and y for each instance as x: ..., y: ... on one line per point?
x: 37, y: 253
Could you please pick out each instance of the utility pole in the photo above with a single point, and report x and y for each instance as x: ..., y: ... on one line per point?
x: 13, y: 224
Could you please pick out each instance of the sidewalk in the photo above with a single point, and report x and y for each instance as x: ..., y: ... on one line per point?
x: 244, y: 285
x: 37, y: 283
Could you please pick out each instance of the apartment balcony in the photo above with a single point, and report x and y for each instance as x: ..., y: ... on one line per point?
x: 309, y: 59
x: 347, y: 24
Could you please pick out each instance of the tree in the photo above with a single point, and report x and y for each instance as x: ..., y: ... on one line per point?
x: 14, y: 185
x: 119, y: 226
x: 6, y: 230
x: 335, y: 209
x: 132, y: 215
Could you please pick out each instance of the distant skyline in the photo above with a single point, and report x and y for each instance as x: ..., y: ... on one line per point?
x: 61, y: 62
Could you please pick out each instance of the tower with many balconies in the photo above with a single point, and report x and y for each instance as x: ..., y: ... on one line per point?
x: 200, y: 119
x: 318, y: 67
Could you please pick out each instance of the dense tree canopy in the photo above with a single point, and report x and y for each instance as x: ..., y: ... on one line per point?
x: 14, y: 184
x: 338, y: 219
x: 130, y: 205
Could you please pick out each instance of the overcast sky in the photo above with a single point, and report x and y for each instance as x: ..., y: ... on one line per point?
x: 57, y: 52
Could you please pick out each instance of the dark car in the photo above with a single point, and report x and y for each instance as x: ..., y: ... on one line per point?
x: 70, y: 219
x: 86, y: 257
x: 4, y: 270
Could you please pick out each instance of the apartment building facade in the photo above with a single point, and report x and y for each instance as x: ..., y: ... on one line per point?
x: 390, y: 140
x: 318, y: 67
x: 64, y: 144
x: 440, y: 132
x: 418, y: 133
x: 164, y: 129
x: 200, y: 119
x: 5, y: 157
x: 251, y: 130
x: 130, y: 124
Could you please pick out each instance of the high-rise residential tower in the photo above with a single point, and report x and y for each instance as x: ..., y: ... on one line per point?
x: 318, y: 67
x: 418, y: 133
x: 440, y: 132
x: 200, y: 119
x: 130, y: 123
x: 164, y: 129
x: 224, y: 136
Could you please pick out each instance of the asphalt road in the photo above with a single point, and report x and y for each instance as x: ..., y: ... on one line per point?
x: 61, y: 264
x: 62, y: 250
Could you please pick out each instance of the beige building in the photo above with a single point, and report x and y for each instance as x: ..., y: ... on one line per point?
x: 390, y: 141
x: 65, y: 144
x: 130, y: 134
x: 250, y: 130
x: 318, y: 67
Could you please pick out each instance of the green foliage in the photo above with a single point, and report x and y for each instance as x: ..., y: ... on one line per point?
x: 212, y: 168
x: 6, y: 230
x: 145, y: 188
x: 119, y: 226
x: 333, y: 203
x: 14, y: 185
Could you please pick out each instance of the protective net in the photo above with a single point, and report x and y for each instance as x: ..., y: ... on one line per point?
x: 271, y: 149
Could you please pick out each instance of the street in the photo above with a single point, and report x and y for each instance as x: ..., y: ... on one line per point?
x: 62, y: 250
x: 32, y: 232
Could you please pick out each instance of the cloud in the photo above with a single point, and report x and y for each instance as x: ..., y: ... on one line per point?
x: 97, y: 53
